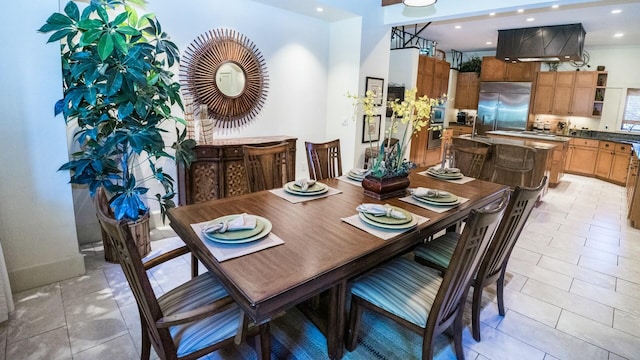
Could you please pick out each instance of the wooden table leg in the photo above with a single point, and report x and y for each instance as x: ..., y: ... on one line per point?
x: 336, y: 320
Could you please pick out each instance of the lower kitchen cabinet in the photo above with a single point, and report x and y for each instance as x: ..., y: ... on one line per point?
x: 583, y: 155
x: 613, y: 162
x: 633, y: 195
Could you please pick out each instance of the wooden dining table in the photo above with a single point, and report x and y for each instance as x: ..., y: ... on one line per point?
x: 320, y: 251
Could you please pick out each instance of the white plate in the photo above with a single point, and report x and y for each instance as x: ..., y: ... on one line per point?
x: 265, y: 231
x: 410, y: 224
x: 446, y: 176
x: 290, y: 190
x: 435, y: 203
x: 355, y: 178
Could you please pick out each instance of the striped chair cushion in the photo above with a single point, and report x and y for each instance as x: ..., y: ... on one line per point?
x: 439, y: 250
x: 197, y: 292
x: 402, y: 287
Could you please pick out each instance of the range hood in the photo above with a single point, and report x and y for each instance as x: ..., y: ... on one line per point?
x: 545, y: 43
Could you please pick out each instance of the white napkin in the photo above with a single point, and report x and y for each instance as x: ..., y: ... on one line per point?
x: 305, y: 183
x: 241, y: 222
x: 444, y: 170
x: 429, y: 193
x: 380, y: 210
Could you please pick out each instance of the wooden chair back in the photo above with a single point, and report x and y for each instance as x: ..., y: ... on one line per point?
x: 131, y: 263
x: 472, y: 244
x: 267, y: 166
x: 469, y: 156
x: 324, y: 159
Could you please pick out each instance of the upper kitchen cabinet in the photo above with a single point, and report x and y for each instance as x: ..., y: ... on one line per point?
x: 433, y: 77
x: 467, y: 91
x: 497, y: 70
x: 569, y: 93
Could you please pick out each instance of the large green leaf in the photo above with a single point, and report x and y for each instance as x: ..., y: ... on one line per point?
x: 102, y: 13
x: 71, y: 9
x: 120, y: 43
x: 88, y: 24
x: 91, y: 35
x: 60, y: 34
x: 128, y: 30
x: 59, y: 19
x: 119, y: 19
x: 105, y: 46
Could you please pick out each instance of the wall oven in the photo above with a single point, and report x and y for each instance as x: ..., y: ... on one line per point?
x: 437, y: 118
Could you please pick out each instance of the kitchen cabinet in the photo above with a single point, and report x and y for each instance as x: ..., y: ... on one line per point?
x: 467, y: 91
x: 457, y: 130
x: 584, y: 153
x: 633, y: 195
x: 433, y: 76
x: 613, y: 162
x: 497, y: 70
x: 218, y: 169
x: 543, y: 93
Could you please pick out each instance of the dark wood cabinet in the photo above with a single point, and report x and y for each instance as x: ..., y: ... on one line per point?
x: 433, y: 77
x: 467, y: 91
x: 218, y: 170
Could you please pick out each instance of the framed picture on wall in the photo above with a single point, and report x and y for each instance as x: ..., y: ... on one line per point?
x: 376, y: 85
x: 371, y: 129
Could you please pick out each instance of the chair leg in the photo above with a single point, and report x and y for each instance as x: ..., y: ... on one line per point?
x: 500, y: 291
x: 263, y: 342
x: 476, y: 306
x: 194, y: 266
x: 355, y: 315
x: 458, y: 327
x: 145, y: 352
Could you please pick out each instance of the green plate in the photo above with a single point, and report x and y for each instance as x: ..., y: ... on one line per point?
x: 317, y: 187
x: 446, y: 199
x: 290, y: 188
x: 446, y: 176
x: 234, y: 236
x: 436, y: 203
x: 390, y: 220
x: 410, y: 224
x: 358, y: 179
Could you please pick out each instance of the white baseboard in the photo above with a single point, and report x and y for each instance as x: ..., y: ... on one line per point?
x: 29, y: 278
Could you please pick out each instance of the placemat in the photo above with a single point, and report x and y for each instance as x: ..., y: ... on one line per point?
x: 345, y: 178
x: 302, y: 198
x: 464, y: 180
x: 224, y: 252
x: 439, y: 209
x: 384, y: 234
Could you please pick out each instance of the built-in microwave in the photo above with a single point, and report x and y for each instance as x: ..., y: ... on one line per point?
x: 437, y: 114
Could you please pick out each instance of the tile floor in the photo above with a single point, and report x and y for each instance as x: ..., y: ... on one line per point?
x: 573, y: 292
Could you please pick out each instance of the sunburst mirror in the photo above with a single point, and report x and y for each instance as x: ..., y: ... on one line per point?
x: 224, y: 70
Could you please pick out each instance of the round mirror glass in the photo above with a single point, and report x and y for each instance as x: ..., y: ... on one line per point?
x: 230, y: 79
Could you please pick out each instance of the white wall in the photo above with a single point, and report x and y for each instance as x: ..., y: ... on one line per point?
x: 36, y: 212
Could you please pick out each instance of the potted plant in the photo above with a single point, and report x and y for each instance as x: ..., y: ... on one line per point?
x: 388, y: 173
x: 118, y: 88
x: 473, y: 64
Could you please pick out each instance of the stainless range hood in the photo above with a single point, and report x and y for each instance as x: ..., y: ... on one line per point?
x: 546, y: 43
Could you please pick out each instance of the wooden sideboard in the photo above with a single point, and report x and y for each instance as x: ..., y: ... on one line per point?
x: 218, y: 170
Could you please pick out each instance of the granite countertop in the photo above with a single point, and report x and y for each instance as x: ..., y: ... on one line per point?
x: 537, y: 135
x: 521, y: 142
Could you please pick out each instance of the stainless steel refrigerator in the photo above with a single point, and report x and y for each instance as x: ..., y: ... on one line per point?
x: 503, y: 106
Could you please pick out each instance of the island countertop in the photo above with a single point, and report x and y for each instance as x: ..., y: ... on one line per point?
x: 500, y: 140
x: 531, y: 135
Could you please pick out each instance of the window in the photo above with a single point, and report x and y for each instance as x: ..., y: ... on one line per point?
x: 631, y: 115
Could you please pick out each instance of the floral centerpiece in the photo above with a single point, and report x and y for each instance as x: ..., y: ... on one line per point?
x: 413, y: 112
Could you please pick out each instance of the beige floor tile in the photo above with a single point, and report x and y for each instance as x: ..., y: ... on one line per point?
x: 497, y: 345
x: 538, y: 273
x: 606, y: 296
x: 628, y: 288
x: 82, y: 285
x: 566, y: 300
x: 613, y: 356
x: 578, y: 272
x: 37, y: 311
x: 120, y: 348
x: 600, y: 335
x: 582, y: 250
x: 51, y: 345
x: 626, y: 322
x: 550, y: 357
x: 548, y: 339
x: 620, y: 271
x: 532, y: 307
x: 515, y: 281
x: 566, y: 256
x: 525, y: 255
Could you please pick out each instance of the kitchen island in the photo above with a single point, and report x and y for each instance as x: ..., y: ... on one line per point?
x: 542, y: 159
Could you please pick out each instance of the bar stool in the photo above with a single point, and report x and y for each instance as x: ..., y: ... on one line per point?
x: 469, y: 156
x: 513, y: 159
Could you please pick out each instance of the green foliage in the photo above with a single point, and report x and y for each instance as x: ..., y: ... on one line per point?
x: 118, y: 87
x: 473, y: 64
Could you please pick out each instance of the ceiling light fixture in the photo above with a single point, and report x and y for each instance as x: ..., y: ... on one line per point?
x: 492, y: 14
x: 618, y: 35
x: 488, y: 43
x: 419, y: 2
x: 555, y: 6
x: 617, y: 11
x: 530, y: 19
x: 458, y: 27
x: 520, y: 10
x: 319, y: 9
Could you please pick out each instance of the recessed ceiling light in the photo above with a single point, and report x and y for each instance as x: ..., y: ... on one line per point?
x: 530, y: 19
x: 555, y: 6
x: 458, y: 27
x: 618, y: 35
x: 488, y: 43
x: 616, y: 11
x: 520, y: 10
x: 319, y: 9
x: 492, y: 14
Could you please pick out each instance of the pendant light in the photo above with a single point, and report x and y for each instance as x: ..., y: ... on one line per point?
x: 419, y: 2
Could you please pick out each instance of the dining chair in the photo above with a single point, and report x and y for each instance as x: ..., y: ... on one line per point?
x: 267, y: 167
x: 417, y: 296
x: 438, y: 253
x: 188, y: 322
x: 324, y: 159
x: 510, y: 160
x: 469, y: 156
